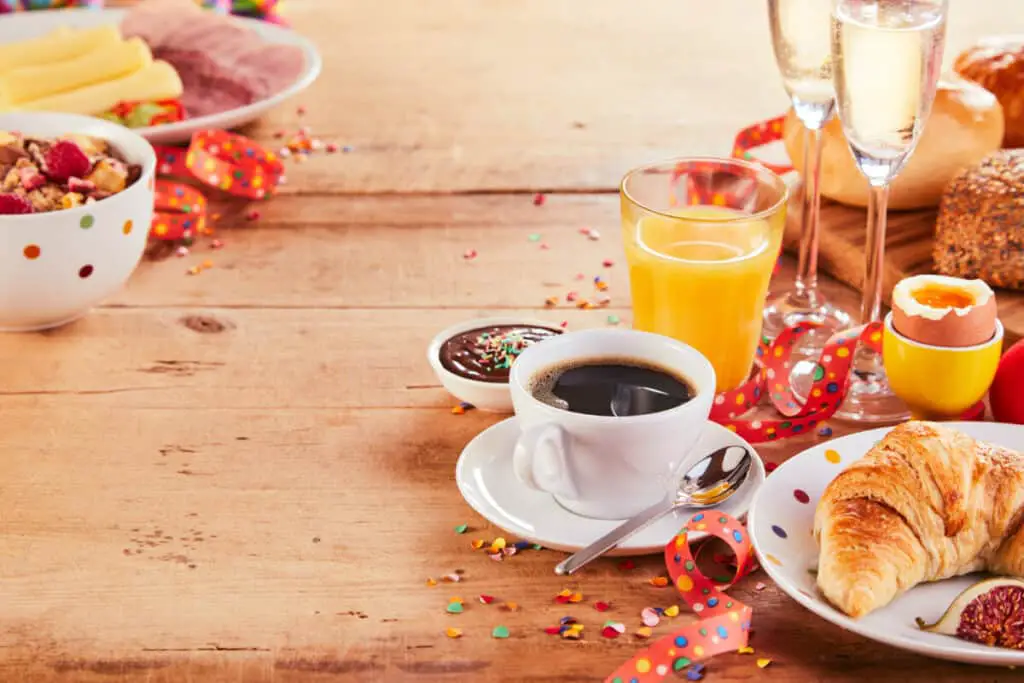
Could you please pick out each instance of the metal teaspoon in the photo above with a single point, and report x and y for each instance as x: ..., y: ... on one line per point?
x: 708, y: 483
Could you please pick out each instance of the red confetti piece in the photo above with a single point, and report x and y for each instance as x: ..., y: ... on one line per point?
x: 539, y: 199
x: 486, y: 599
x: 770, y: 467
x: 659, y: 582
x: 609, y: 632
x: 253, y: 215
x: 608, y: 263
x: 602, y: 606
x: 552, y: 630
x: 572, y: 296
x: 564, y: 324
x: 626, y: 565
x: 470, y: 254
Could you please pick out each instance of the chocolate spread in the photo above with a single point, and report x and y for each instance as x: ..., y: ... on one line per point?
x: 486, y: 354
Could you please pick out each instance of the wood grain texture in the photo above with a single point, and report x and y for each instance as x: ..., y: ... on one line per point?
x: 909, y: 240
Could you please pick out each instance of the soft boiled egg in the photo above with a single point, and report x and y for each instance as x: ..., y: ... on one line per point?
x: 944, y: 311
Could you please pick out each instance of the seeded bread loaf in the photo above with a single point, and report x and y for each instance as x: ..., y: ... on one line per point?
x: 980, y: 228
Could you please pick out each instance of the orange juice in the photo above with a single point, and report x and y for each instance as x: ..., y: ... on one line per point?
x: 700, y: 274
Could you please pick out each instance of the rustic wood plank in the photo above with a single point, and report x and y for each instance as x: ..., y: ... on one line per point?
x: 457, y: 95
x: 397, y: 252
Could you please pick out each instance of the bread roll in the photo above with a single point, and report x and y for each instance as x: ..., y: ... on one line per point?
x: 997, y: 64
x: 981, y: 222
x: 966, y: 124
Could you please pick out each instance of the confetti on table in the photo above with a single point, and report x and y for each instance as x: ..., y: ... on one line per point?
x: 500, y: 632
x: 572, y: 296
x: 552, y: 630
x: 539, y: 199
x: 454, y: 577
x: 613, y: 320
x: 672, y: 611
x: 486, y: 599
x: 659, y: 581
x: 454, y: 608
x: 470, y: 254
x: 745, y: 650
x: 613, y: 629
x: 534, y: 237
x: 602, y: 606
x: 573, y: 632
x: 762, y: 663
x: 760, y: 586
x: 431, y: 582
x: 497, y: 544
x: 453, y: 632
x: 607, y: 263
x: 551, y: 301
x: 477, y: 543
x: 649, y: 617
x: 510, y: 607
x: 626, y: 565
x: 770, y: 467
x: 695, y: 672
x: 825, y: 431
x: 461, y: 529
x: 644, y: 632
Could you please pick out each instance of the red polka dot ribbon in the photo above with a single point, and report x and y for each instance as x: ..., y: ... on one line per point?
x: 224, y: 161
x: 758, y: 135
x: 724, y: 624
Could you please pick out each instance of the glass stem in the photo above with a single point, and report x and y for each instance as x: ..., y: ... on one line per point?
x: 805, y: 293
x: 868, y: 364
x: 874, y: 254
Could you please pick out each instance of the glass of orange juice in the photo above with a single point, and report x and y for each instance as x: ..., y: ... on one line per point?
x: 702, y: 236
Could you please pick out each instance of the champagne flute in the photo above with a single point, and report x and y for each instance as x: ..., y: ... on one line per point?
x: 886, y: 57
x: 800, y: 39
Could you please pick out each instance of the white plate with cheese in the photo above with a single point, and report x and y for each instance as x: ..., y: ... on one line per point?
x: 26, y: 25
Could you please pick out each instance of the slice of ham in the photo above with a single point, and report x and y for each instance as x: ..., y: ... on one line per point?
x: 222, y: 64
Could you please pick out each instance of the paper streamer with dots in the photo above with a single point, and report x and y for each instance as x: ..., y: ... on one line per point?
x: 724, y: 624
x: 227, y: 162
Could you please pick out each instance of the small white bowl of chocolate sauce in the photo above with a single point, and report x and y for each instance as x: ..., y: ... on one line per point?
x: 473, y: 359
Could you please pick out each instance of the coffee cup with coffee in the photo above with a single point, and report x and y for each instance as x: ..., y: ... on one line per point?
x: 609, y: 418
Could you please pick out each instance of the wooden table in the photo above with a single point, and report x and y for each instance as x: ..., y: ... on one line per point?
x: 247, y: 475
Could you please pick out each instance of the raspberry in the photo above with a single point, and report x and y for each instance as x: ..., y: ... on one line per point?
x: 66, y: 159
x: 11, y: 203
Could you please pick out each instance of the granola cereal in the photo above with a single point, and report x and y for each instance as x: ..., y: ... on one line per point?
x: 39, y: 174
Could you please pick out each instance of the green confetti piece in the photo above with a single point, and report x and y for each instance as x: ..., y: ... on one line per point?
x: 454, y: 608
x: 500, y: 632
x: 613, y: 320
x: 461, y: 529
x: 537, y: 546
x: 535, y: 237
x: 680, y: 664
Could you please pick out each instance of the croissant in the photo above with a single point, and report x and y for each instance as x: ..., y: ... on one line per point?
x: 927, y: 502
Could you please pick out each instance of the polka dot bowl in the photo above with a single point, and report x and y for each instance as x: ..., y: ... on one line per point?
x: 56, y: 266
x: 781, y: 524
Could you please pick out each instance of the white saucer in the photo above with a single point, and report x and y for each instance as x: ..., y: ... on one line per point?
x: 485, y: 478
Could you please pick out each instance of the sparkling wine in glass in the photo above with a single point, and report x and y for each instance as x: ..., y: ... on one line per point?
x: 886, y: 58
x: 803, y: 53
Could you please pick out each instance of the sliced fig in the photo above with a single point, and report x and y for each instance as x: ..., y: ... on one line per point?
x: 991, y: 612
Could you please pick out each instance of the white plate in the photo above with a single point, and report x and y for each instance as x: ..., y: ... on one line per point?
x: 23, y: 25
x: 781, y: 528
x: 485, y: 478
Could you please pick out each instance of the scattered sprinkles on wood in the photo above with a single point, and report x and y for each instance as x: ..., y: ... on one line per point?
x: 602, y: 606
x: 659, y: 581
x: 453, y: 632
x: 825, y: 431
x: 461, y: 529
x: 539, y: 199
x: 500, y: 632
x: 470, y: 254
x: 763, y: 662
x: 644, y: 632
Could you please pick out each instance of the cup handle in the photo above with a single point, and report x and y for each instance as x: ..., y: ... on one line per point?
x: 541, y: 461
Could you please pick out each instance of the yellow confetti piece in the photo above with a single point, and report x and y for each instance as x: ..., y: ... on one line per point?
x: 576, y: 597
x: 745, y: 651
x: 451, y: 600
x: 453, y: 632
x: 431, y: 582
x: 565, y: 593
x: 643, y: 632
x: 659, y: 581
x: 498, y: 544
x: 762, y: 663
x: 511, y: 606
x: 477, y: 544
x: 458, y: 410
x: 672, y: 611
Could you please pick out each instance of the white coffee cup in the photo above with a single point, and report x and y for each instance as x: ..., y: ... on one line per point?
x: 608, y: 467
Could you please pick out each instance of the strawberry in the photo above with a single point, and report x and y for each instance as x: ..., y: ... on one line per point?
x: 65, y: 159
x: 80, y: 186
x: 11, y: 203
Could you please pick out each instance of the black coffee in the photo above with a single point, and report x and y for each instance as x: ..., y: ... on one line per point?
x: 616, y: 387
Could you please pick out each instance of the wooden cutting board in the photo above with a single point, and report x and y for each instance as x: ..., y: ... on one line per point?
x: 908, y: 252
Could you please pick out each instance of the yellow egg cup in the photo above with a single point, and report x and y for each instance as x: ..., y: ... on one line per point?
x: 937, y: 382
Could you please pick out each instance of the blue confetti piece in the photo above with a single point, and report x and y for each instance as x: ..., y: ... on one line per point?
x: 825, y: 431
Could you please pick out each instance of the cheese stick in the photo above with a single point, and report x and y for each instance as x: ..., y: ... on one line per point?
x: 102, y: 64
x: 157, y: 81
x: 57, y: 46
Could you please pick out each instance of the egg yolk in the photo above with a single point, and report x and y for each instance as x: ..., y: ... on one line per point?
x: 942, y: 297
